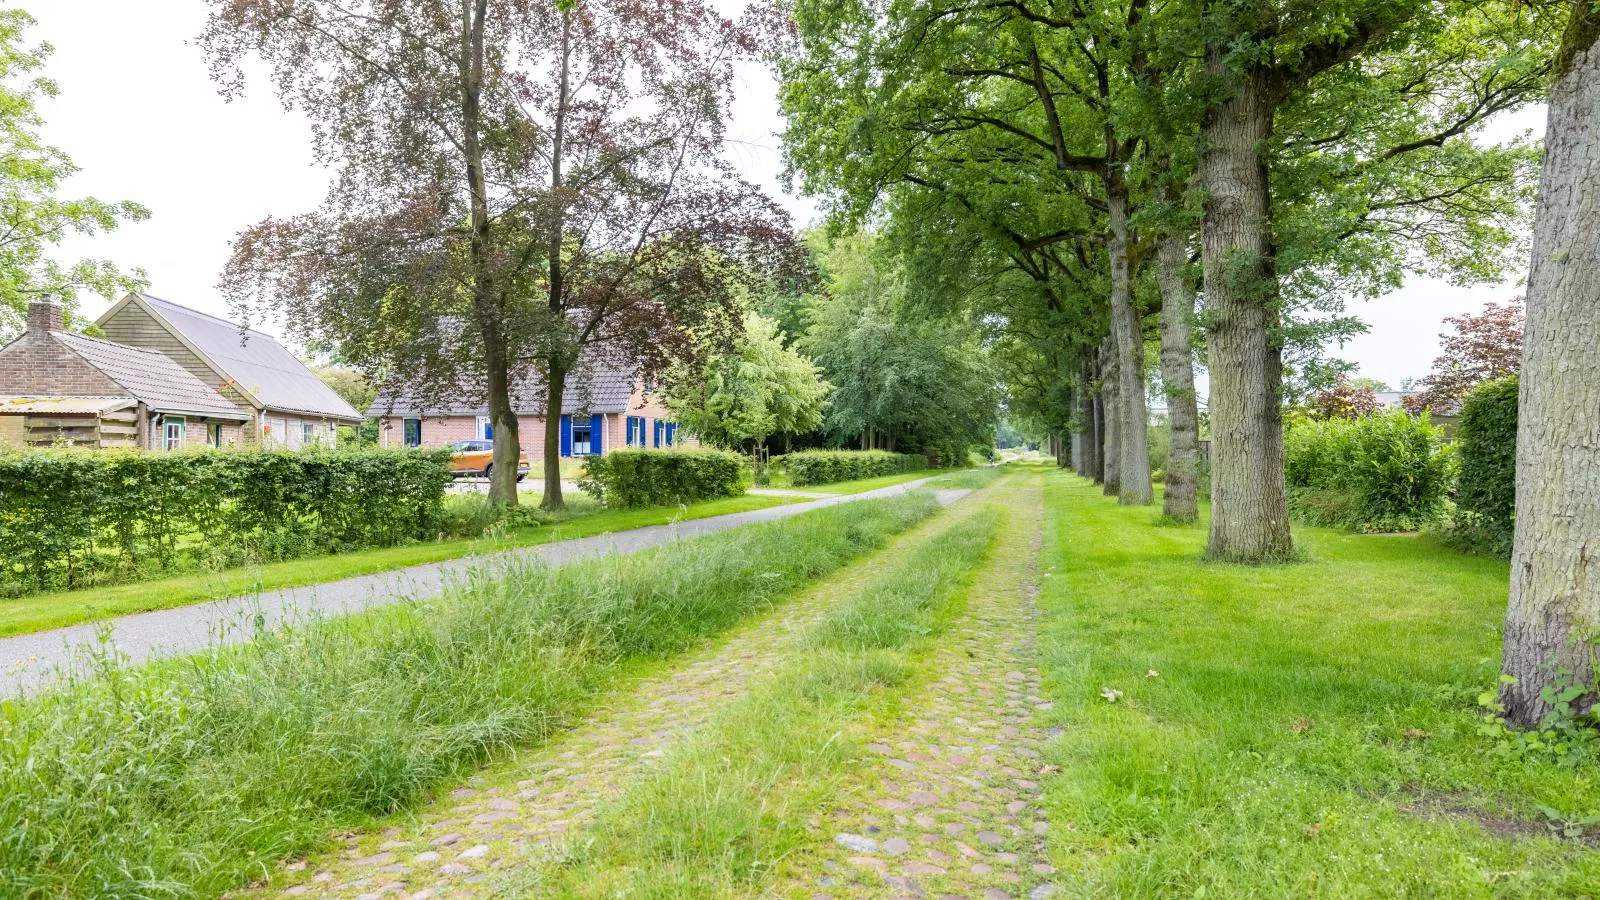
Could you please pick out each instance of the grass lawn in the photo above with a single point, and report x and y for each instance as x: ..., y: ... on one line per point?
x: 39, y: 612
x: 1301, y: 730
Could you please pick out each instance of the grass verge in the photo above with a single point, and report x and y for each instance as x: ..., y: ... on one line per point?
x: 870, y: 484
x: 41, y: 612
x: 193, y: 776
x: 1309, y: 729
x: 730, y: 803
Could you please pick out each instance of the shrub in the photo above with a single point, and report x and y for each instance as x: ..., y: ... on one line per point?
x: 75, y: 517
x: 1384, y: 472
x: 633, y: 478
x: 1486, y: 494
x: 829, y: 466
x: 192, y: 777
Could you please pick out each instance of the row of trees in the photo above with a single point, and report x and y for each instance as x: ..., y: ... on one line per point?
x: 1084, y: 172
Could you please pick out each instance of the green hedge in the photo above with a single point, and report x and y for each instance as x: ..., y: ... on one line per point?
x: 829, y: 466
x: 1486, y: 495
x: 1383, y: 472
x: 634, y: 478
x: 70, y: 518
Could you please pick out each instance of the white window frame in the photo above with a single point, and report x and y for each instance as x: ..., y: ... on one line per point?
x: 481, y: 433
x: 173, y: 426
x: 308, y: 433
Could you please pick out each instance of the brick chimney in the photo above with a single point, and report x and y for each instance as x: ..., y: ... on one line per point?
x: 46, y: 315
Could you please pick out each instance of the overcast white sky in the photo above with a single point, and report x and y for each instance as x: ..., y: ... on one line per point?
x: 140, y: 116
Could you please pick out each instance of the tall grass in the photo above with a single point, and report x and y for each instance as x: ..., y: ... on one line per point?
x: 194, y: 776
x: 733, y: 801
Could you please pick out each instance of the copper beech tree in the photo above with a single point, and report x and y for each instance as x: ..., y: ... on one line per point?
x: 517, y: 182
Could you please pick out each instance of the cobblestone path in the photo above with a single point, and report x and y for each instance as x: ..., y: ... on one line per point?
x: 948, y: 803
x: 509, y: 814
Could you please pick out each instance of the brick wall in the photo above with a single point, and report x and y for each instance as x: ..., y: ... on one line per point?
x: 36, y: 364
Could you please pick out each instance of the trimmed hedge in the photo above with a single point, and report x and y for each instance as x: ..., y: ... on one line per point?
x: 1383, y: 472
x: 1486, y: 495
x: 829, y: 466
x: 70, y: 518
x: 634, y: 478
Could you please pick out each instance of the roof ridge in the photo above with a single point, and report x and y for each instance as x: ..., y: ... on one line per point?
x: 204, y: 314
x: 109, y: 343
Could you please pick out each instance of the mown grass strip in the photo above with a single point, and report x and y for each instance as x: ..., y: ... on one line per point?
x: 731, y: 802
x: 40, y: 612
x: 1308, y: 729
x: 193, y: 776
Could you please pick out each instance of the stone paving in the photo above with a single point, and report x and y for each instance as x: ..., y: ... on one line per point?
x: 948, y: 804
x: 516, y: 813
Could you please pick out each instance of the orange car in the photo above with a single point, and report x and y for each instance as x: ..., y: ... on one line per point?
x: 476, y: 459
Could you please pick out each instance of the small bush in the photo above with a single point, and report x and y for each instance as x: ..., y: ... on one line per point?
x: 70, y: 518
x: 829, y: 466
x: 1486, y: 494
x: 633, y: 478
x: 1385, y: 472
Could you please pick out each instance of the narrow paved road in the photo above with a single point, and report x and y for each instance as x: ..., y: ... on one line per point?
x: 34, y: 660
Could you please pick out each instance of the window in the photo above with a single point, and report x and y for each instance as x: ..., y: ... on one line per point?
x: 485, y: 429
x: 308, y: 434
x: 636, y: 431
x: 672, y: 432
x: 581, y: 437
x: 413, y: 432
x: 216, y: 434
x: 659, y: 432
x: 172, y: 432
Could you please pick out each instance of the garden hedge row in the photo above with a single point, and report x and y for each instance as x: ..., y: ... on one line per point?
x: 1383, y: 472
x: 828, y: 466
x: 1486, y: 494
x: 634, y: 478
x: 69, y: 518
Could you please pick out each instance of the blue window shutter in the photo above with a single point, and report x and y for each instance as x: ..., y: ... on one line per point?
x: 658, y: 432
x: 596, y: 429
x: 566, y: 435
x: 672, y: 432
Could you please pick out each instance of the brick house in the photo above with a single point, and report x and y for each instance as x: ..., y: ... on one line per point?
x: 287, y: 405
x: 58, y: 386
x: 611, y: 410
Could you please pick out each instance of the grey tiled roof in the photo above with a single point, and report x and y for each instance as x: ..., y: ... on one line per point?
x: 598, y: 386
x: 150, y: 377
x: 255, y: 362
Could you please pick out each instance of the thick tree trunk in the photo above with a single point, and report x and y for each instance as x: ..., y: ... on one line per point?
x: 1087, y: 439
x: 486, y: 312
x: 1552, y: 620
x: 555, y: 387
x: 1178, y: 501
x: 1249, y: 508
x: 1110, y: 381
x: 1133, y: 463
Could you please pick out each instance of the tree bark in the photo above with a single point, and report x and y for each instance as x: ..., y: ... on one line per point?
x: 1110, y: 381
x: 557, y: 366
x: 1249, y: 507
x: 1554, y: 612
x: 1178, y: 501
x: 486, y: 312
x: 1133, y: 463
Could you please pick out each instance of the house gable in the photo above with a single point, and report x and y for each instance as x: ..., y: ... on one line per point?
x: 131, y: 322
x: 36, y: 364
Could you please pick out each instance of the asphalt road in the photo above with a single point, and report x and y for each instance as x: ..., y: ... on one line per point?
x: 33, y: 661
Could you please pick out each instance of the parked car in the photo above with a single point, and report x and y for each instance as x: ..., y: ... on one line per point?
x: 476, y: 459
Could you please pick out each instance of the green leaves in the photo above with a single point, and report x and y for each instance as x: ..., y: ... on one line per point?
x: 757, y: 389
x: 32, y: 218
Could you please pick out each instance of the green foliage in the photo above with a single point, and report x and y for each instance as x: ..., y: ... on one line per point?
x: 1386, y: 472
x: 32, y: 172
x: 1486, y: 494
x: 191, y: 779
x: 633, y: 478
x: 829, y: 466
x: 70, y: 518
x: 760, y: 388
